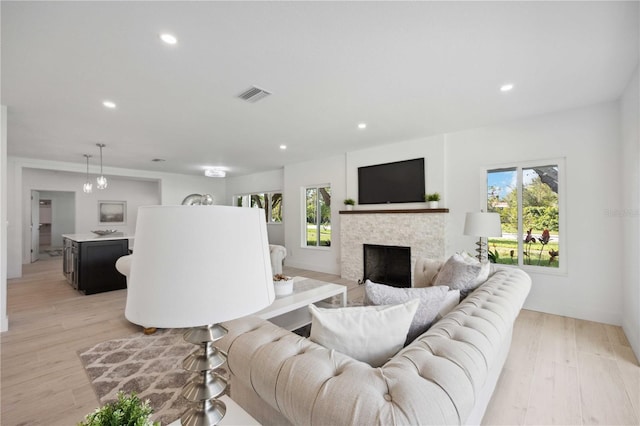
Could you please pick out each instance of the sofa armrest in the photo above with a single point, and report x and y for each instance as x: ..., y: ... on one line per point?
x: 425, y: 271
x: 278, y: 254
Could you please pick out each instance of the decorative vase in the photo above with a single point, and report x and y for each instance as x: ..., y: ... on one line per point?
x: 432, y: 204
x: 283, y: 287
x: 348, y: 206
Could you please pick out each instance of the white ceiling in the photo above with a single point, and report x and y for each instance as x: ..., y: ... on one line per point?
x: 408, y: 70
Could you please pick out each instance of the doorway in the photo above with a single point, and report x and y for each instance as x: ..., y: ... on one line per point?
x: 52, y: 214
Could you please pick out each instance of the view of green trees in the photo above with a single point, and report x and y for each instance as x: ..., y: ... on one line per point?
x: 264, y: 201
x: 540, y: 215
x: 318, y: 202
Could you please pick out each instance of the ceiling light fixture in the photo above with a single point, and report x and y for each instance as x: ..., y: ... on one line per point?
x: 362, y: 126
x: 101, y: 180
x: 88, y: 186
x: 109, y: 104
x: 283, y: 147
x: 218, y: 173
x: 168, y: 38
x: 506, y: 87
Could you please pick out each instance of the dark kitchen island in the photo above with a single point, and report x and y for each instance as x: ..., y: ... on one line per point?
x: 89, y: 261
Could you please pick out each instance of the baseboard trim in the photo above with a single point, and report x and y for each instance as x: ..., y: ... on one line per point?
x: 613, y: 318
x: 632, y: 331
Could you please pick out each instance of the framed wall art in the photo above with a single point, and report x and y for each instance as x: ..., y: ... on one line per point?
x: 112, y: 212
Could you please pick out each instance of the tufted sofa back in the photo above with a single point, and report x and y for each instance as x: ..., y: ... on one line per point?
x: 440, y: 378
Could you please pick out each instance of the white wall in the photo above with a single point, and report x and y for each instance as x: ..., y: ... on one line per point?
x: 271, y: 181
x: 63, y: 214
x: 296, y: 177
x: 589, y: 140
x: 630, y: 127
x: 4, y: 321
x: 173, y: 188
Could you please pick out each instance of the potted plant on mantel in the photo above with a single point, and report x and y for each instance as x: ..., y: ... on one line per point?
x: 349, y: 203
x: 432, y: 200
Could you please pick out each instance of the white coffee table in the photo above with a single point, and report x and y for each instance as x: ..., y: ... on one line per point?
x: 290, y: 312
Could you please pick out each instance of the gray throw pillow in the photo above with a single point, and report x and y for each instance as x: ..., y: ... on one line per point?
x: 431, y: 299
x: 462, y: 274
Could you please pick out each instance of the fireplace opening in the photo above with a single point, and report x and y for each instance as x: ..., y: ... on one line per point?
x: 389, y: 265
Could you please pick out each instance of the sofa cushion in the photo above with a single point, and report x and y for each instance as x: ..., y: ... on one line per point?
x: 371, y: 334
x: 431, y: 299
x: 462, y: 273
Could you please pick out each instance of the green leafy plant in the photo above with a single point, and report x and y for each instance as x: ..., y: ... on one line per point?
x: 493, y: 255
x: 432, y: 197
x: 349, y: 202
x: 128, y: 410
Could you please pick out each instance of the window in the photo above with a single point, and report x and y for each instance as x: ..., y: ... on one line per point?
x: 528, y: 201
x: 271, y: 202
x: 318, y: 213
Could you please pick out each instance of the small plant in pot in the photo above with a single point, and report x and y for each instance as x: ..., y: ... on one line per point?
x: 349, y: 203
x: 127, y: 410
x: 432, y: 200
x: 282, y: 285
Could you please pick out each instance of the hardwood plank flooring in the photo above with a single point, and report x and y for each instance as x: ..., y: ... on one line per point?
x: 559, y: 370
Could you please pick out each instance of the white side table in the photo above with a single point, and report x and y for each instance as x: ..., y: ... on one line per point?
x: 235, y: 415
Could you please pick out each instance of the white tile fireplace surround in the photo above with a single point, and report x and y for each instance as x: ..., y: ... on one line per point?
x: 423, y: 230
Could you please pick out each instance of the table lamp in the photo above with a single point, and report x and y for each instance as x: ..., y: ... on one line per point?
x: 197, y: 266
x: 482, y: 225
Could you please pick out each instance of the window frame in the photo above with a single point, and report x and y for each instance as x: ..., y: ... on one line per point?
x: 268, y: 195
x: 303, y: 240
x: 563, y: 248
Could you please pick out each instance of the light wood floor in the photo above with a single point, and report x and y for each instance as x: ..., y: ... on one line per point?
x: 559, y: 371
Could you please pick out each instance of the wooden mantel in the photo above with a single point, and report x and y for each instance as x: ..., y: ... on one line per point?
x: 394, y: 211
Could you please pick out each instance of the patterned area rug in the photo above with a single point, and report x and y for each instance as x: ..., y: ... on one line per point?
x: 150, y: 366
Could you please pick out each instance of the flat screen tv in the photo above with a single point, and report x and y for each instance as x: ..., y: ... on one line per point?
x: 398, y: 182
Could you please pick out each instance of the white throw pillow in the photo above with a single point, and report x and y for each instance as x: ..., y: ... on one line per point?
x: 371, y: 334
x: 431, y: 299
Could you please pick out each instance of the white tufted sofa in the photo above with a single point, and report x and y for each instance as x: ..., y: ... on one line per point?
x: 446, y: 376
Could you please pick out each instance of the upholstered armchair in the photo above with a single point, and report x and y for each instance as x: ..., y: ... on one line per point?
x: 278, y: 253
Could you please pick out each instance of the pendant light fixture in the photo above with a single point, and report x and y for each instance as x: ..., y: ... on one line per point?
x: 102, y: 181
x: 88, y: 186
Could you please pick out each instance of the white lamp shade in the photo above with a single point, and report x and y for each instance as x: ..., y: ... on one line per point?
x: 198, y: 265
x: 482, y: 224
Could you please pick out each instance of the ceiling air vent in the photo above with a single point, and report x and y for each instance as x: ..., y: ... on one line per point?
x: 253, y: 94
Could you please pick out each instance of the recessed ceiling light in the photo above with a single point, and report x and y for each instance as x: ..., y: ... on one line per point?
x: 215, y: 173
x: 109, y: 104
x: 168, y: 38
x: 506, y: 87
x: 362, y: 126
x: 283, y: 147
